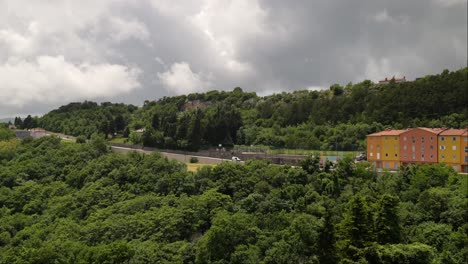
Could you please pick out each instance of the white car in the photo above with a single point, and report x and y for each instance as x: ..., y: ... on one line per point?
x: 235, y: 159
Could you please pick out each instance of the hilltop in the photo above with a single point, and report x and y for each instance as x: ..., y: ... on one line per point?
x: 337, y: 118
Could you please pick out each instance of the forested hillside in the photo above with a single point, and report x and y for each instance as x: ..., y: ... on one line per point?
x: 337, y: 118
x: 79, y: 203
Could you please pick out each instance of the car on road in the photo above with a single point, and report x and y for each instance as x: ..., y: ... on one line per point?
x: 236, y: 159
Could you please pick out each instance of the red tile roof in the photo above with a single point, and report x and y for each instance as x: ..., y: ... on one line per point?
x: 388, y: 132
x: 433, y: 130
x: 454, y: 132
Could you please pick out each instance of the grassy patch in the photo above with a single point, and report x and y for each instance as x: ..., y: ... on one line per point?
x: 63, y: 141
x: 194, y: 167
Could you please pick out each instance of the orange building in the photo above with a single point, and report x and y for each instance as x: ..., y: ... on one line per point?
x: 452, y: 147
x: 383, y: 149
x: 390, y: 149
x: 419, y: 145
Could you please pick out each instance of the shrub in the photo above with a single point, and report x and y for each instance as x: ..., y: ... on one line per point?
x: 193, y: 160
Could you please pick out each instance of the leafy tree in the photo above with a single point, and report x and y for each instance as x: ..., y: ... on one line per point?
x: 387, y: 224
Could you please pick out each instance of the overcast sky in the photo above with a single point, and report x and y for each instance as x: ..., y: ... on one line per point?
x: 53, y: 52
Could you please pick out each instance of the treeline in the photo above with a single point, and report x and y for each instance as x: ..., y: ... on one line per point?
x: 79, y: 203
x: 338, y: 118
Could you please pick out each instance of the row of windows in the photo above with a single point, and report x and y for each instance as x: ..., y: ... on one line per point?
x: 413, y: 139
x: 413, y: 156
x: 442, y: 138
x: 413, y: 148
x: 442, y: 147
x: 443, y: 156
x: 453, y: 139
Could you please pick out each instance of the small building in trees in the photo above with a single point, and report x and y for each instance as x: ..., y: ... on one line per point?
x: 396, y: 80
x: 37, y: 132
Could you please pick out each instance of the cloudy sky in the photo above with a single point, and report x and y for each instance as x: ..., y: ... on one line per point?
x: 56, y: 51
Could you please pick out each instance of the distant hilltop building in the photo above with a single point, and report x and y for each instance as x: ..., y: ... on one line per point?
x: 37, y: 132
x: 396, y: 80
x: 33, y: 132
x: 390, y: 149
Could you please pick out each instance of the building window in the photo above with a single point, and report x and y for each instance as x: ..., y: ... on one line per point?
x: 404, y: 138
x: 422, y: 148
x: 454, y: 156
x: 404, y: 147
x: 431, y: 139
x: 395, y: 138
x: 454, y: 147
x: 413, y: 140
x: 442, y: 138
x: 466, y: 149
x: 386, y: 138
x: 466, y: 158
x: 414, y: 156
x: 443, y: 156
x: 431, y: 147
x: 422, y: 139
x: 455, y: 167
x: 378, y: 147
x: 432, y: 156
x: 396, y: 155
x: 404, y: 155
x: 413, y: 148
x: 442, y: 147
x: 371, y: 154
x: 371, y: 146
x: 386, y: 154
x: 454, y: 138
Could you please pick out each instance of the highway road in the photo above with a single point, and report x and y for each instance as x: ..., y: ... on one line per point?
x: 173, y: 156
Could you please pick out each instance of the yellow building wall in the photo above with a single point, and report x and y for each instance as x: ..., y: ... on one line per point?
x: 374, y: 148
x: 390, y: 148
x: 449, y: 149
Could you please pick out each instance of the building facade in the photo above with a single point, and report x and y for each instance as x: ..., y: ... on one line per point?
x: 383, y: 149
x: 451, y: 148
x: 419, y: 145
x: 391, y: 149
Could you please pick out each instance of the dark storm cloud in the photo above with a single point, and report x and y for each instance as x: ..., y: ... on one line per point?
x: 148, y: 49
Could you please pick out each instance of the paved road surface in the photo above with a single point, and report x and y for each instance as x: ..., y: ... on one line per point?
x: 172, y: 156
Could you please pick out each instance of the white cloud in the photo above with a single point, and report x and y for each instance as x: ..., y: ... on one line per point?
x: 384, y: 17
x: 180, y: 79
x: 53, y: 79
x: 220, y: 22
x: 449, y: 3
x: 121, y: 29
x: 19, y: 44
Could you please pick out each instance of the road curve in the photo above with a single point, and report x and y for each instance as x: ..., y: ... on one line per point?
x: 173, y: 156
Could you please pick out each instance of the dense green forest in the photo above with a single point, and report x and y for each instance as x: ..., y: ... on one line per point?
x: 337, y: 118
x: 79, y: 203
